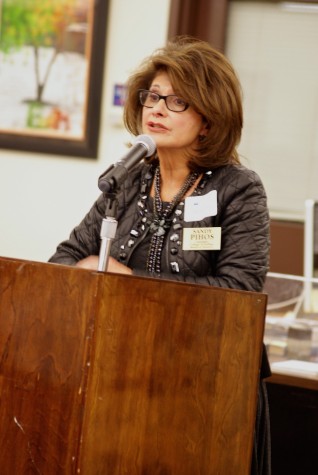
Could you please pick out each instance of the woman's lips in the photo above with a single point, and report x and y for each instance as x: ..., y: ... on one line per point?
x: 156, y: 126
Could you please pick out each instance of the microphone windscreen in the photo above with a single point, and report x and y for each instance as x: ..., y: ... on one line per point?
x: 148, y: 142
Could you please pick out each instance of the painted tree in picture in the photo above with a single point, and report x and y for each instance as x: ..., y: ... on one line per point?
x: 48, y: 28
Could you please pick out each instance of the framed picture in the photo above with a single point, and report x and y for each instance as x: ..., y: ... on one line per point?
x: 51, y: 75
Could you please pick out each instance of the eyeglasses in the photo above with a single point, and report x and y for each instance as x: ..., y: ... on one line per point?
x: 173, y: 102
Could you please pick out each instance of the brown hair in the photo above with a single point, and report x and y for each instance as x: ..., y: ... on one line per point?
x: 205, y: 79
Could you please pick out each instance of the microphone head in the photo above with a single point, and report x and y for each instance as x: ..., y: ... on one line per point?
x: 148, y: 142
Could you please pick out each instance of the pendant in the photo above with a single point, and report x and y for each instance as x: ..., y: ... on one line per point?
x: 159, y: 226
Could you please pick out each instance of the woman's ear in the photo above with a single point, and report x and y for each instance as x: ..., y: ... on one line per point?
x: 204, y: 130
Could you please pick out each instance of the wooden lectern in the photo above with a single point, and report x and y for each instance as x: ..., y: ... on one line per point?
x: 104, y: 374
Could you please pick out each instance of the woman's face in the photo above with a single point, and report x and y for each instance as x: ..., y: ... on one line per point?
x: 171, y: 130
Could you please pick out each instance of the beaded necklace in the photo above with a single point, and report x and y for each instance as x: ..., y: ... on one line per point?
x: 162, y: 219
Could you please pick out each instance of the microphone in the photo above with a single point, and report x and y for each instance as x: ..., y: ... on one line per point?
x: 116, y: 174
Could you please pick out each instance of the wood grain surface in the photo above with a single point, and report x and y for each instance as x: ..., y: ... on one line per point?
x: 112, y: 375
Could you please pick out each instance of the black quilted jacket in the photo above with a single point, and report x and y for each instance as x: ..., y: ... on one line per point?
x: 242, y: 214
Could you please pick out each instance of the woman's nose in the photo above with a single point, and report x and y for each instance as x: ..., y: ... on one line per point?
x: 160, y: 107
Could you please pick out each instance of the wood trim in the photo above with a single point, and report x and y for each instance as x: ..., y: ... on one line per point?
x: 203, y: 19
x: 290, y: 380
x: 287, y: 247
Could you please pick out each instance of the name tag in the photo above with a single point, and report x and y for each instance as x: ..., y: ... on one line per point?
x: 201, y: 239
x: 197, y: 208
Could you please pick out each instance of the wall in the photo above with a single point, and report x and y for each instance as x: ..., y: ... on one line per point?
x: 42, y: 196
x: 273, y: 46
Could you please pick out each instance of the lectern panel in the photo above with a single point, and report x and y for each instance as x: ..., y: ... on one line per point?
x: 45, y: 337
x: 103, y: 374
x: 173, y: 390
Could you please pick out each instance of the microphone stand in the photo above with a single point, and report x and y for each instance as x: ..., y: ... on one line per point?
x: 108, y: 230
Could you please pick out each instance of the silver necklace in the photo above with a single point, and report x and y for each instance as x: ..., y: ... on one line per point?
x: 161, y: 221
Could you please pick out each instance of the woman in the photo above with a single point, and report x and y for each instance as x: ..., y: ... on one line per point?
x: 187, y: 97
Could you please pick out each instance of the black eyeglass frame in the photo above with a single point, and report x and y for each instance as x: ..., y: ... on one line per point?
x: 141, y: 91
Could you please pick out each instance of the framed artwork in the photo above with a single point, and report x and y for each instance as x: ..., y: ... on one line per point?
x: 51, y: 75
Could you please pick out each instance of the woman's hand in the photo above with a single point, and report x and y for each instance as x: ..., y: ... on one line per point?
x: 117, y: 267
x: 91, y: 262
